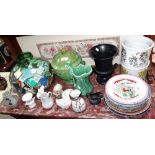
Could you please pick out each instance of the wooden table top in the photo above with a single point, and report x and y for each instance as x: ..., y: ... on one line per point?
x: 98, y: 111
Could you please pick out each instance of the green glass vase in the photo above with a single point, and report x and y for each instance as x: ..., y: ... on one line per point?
x: 81, y: 80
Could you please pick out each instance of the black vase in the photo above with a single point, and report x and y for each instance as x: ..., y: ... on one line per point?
x: 103, y: 56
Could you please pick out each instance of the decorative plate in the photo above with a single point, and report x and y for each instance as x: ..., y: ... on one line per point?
x: 123, y: 113
x: 127, y: 89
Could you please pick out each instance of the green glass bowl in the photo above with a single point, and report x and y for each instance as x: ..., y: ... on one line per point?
x: 62, y: 60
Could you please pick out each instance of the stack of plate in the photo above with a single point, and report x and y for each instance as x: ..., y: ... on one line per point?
x: 127, y: 95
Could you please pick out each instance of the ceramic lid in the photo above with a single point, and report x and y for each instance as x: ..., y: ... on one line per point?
x: 64, y: 58
x: 127, y: 89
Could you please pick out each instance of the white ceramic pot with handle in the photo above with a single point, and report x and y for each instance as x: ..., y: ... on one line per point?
x: 136, y: 52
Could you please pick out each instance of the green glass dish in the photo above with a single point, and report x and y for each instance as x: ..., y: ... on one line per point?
x: 62, y: 60
x: 30, y: 73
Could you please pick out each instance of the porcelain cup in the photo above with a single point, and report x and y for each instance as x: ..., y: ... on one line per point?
x: 136, y: 52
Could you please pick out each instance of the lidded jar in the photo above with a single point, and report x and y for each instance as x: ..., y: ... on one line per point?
x: 61, y: 62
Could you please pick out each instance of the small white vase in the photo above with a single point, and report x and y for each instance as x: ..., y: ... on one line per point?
x: 40, y: 91
x: 47, y: 100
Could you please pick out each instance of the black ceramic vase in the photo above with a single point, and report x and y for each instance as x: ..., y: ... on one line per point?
x: 103, y: 56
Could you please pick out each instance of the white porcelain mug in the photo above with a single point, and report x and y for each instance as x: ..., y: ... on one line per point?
x: 47, y: 100
x: 136, y: 52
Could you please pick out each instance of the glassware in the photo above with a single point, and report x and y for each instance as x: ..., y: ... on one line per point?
x: 103, y: 56
x: 30, y: 73
x: 62, y: 60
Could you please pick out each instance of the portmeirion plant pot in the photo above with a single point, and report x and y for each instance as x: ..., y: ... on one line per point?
x: 62, y: 60
x: 81, y: 78
x: 103, y: 55
x: 140, y: 72
x: 136, y: 52
x: 30, y: 73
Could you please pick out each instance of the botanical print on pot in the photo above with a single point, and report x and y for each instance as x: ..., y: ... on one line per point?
x: 143, y: 57
x: 140, y: 59
x: 123, y: 55
x: 134, y: 59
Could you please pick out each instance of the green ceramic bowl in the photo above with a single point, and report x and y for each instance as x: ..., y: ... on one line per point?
x: 62, y: 60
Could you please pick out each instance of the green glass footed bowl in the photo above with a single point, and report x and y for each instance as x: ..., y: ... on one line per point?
x: 62, y: 60
x: 30, y: 73
x: 81, y: 78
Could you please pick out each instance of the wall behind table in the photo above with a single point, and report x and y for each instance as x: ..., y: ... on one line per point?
x: 29, y: 43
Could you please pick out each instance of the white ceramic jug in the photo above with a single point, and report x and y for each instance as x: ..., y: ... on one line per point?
x: 47, y: 100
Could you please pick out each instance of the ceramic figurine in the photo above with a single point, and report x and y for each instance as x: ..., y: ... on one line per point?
x: 47, y: 100
x: 62, y: 60
x: 30, y: 73
x: 65, y: 93
x: 64, y: 103
x: 29, y: 100
x: 10, y: 100
x: 81, y: 81
x: 78, y: 103
x: 40, y: 91
x: 95, y: 98
x: 57, y: 90
x: 103, y: 55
